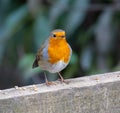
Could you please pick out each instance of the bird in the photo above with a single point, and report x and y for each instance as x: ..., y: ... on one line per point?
x: 54, y: 54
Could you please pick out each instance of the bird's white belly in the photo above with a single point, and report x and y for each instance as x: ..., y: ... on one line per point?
x: 53, y: 68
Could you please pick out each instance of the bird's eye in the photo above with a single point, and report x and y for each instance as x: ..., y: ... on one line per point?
x: 63, y: 36
x: 54, y: 35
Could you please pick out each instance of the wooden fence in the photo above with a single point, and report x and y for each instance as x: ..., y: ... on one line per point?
x: 90, y: 94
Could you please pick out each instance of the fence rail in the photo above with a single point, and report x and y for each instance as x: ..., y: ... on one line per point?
x: 91, y: 94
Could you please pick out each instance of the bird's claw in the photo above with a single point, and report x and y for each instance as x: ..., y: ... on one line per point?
x: 50, y: 83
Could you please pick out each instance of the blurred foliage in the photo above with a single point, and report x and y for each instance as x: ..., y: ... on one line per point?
x: 92, y: 31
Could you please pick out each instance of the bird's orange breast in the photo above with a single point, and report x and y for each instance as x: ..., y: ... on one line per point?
x: 58, y: 49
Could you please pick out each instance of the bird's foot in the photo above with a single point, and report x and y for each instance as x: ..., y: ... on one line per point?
x: 50, y: 83
x: 63, y: 81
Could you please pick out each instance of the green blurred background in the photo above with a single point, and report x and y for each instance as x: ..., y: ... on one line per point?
x: 92, y: 28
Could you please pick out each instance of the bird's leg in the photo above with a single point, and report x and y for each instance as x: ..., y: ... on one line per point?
x: 47, y: 82
x: 61, y: 78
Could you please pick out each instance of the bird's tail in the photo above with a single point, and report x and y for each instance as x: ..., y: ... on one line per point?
x: 35, y: 64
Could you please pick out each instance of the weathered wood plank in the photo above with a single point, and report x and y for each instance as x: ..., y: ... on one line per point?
x: 91, y: 94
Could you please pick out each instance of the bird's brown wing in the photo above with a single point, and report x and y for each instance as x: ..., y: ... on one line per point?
x: 38, y: 57
x: 35, y: 63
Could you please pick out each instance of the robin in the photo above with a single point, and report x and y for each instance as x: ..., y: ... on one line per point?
x: 54, y: 54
